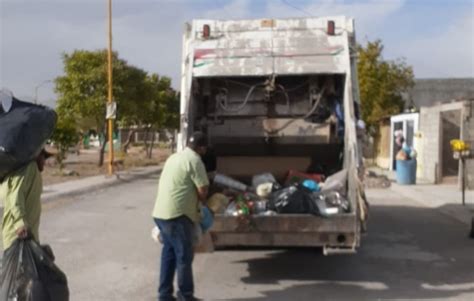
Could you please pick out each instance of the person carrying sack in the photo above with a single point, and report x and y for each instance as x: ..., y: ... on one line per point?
x: 21, y: 195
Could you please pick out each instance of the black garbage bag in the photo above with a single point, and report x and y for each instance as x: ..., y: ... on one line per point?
x: 29, y: 274
x: 24, y: 130
x: 293, y: 199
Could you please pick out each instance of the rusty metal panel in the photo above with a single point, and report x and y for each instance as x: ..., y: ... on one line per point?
x: 308, y: 65
x: 300, y: 223
x: 288, y: 239
x: 242, y: 166
x: 232, y: 66
x: 301, y: 130
x: 264, y: 47
x: 285, y: 230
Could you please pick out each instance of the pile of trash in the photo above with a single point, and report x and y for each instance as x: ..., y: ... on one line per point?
x: 301, y: 193
x: 374, y: 180
x: 405, y: 151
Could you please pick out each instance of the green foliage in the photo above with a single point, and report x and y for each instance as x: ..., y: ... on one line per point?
x: 381, y: 83
x: 162, y: 111
x: 82, y: 89
x: 143, y: 100
x: 64, y: 136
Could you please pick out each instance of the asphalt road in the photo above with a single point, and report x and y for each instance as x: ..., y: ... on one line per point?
x: 102, y: 241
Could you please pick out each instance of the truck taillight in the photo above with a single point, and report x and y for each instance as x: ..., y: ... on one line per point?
x: 331, y: 28
x: 206, y: 31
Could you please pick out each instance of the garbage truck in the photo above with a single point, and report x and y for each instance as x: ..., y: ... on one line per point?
x: 275, y: 96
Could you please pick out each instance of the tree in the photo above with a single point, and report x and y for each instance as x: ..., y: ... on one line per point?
x: 382, y: 83
x: 82, y: 90
x: 162, y: 110
x: 64, y: 136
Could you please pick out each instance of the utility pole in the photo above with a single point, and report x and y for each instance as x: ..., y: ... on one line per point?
x: 110, y: 118
x: 462, y: 151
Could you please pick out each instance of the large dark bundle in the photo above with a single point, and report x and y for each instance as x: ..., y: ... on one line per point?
x: 24, y: 130
x: 29, y: 274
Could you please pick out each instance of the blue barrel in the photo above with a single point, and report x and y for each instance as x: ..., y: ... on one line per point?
x: 406, y: 172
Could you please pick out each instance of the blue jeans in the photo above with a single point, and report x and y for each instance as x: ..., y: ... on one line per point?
x: 177, y: 255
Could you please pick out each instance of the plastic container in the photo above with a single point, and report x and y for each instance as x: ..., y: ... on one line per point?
x: 311, y: 185
x: 228, y: 182
x: 406, y: 172
x: 263, y: 179
x: 207, y: 219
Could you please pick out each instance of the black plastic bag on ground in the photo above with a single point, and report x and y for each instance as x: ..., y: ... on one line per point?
x: 29, y: 274
x: 24, y: 130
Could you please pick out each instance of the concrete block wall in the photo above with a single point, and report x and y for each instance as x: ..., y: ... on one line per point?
x: 430, y: 136
x: 467, y: 133
x: 430, y: 129
x: 432, y: 92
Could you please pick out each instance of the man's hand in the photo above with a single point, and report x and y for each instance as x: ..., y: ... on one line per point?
x: 22, y: 232
x: 202, y: 193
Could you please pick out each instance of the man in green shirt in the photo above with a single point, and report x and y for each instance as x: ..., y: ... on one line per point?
x: 183, y: 183
x: 20, y: 193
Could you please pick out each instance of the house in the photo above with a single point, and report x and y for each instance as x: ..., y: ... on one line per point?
x: 443, y: 110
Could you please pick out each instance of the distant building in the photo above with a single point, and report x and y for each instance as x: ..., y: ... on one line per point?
x: 438, y: 110
x: 431, y: 92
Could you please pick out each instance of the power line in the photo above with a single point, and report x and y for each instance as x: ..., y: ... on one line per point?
x: 296, y: 7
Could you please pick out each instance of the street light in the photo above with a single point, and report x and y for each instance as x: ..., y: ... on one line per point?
x: 38, y: 86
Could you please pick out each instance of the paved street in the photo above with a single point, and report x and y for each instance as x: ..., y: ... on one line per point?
x: 102, y: 241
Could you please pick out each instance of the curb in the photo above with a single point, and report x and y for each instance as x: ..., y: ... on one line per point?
x: 91, y: 184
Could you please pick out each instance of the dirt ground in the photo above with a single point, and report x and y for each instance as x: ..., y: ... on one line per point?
x: 86, y: 164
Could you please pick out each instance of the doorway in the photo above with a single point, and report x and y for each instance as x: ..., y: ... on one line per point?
x: 408, y: 124
x: 450, y: 129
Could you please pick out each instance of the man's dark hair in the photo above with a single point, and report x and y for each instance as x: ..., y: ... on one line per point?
x: 197, y: 139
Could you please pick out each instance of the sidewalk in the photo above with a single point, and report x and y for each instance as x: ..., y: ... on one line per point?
x: 76, y: 187
x: 446, y: 198
x: 90, y: 184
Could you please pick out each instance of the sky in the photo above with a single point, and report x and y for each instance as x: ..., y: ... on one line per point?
x: 436, y: 37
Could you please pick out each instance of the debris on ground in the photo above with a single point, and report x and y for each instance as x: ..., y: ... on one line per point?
x: 374, y: 180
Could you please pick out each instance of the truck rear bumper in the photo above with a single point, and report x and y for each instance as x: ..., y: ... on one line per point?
x: 286, y: 230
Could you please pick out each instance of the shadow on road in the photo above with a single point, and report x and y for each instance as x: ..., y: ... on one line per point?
x: 409, y: 253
